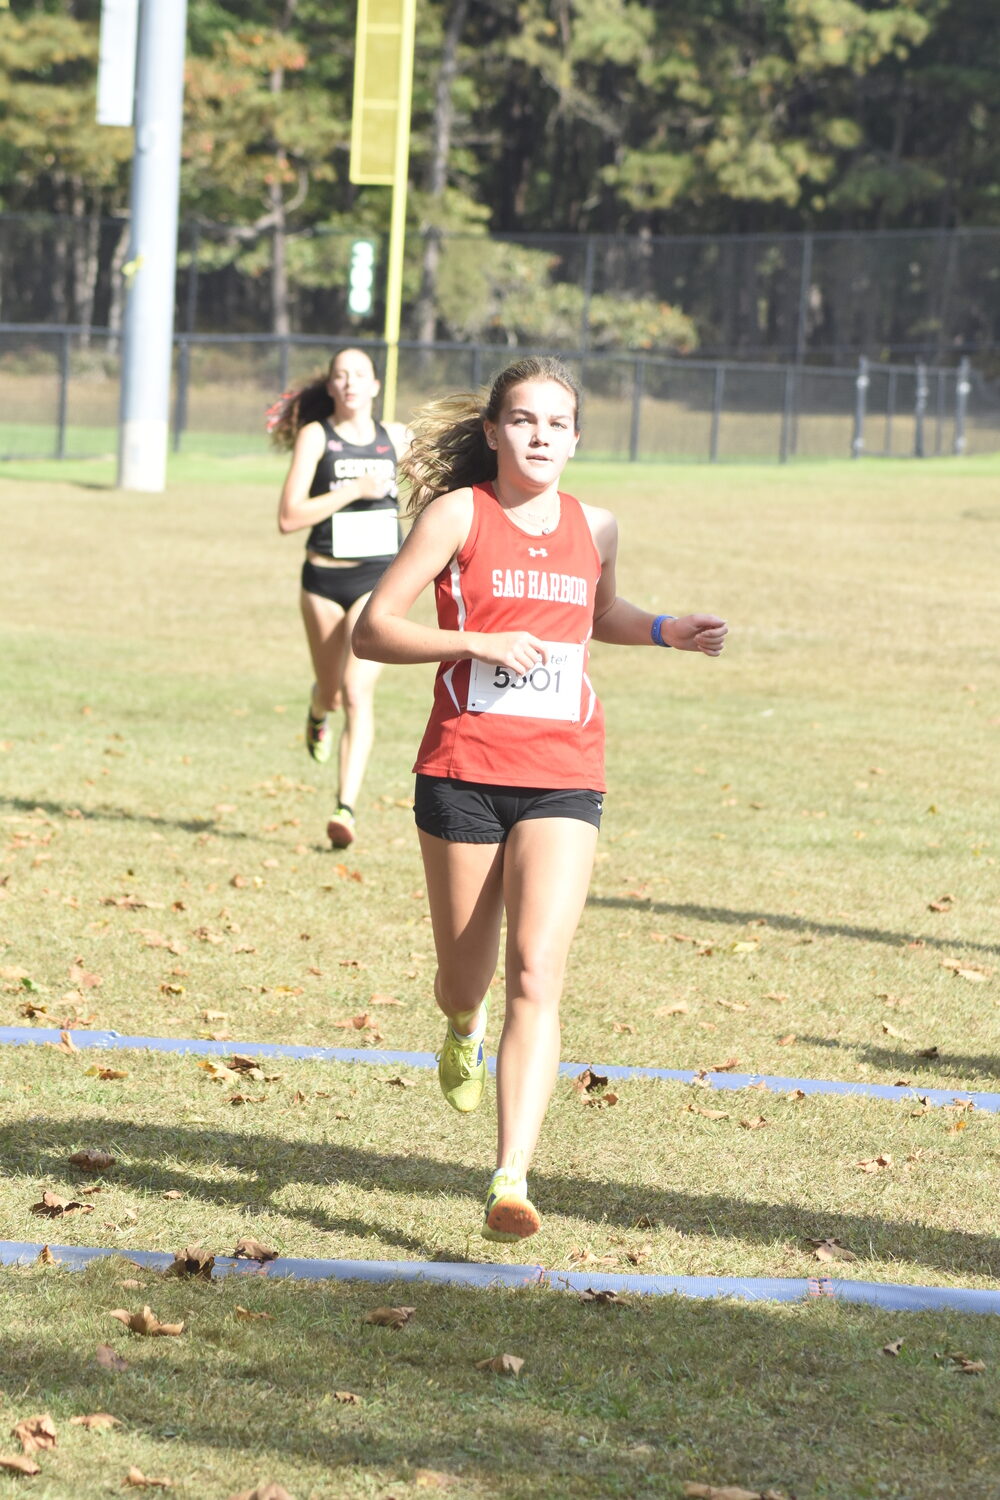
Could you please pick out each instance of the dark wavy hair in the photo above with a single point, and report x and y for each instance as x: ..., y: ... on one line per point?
x: 449, y: 448
x: 307, y: 403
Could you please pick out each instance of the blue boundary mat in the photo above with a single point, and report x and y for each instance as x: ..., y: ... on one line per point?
x: 113, y: 1040
x: 892, y: 1297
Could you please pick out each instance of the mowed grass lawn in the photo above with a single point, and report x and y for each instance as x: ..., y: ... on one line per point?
x: 797, y: 875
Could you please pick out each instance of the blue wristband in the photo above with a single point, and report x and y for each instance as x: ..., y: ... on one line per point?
x: 656, y: 630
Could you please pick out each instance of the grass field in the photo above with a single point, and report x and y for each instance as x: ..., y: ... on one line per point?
x: 798, y: 870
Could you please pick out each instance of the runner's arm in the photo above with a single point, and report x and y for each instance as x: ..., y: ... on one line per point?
x: 620, y: 623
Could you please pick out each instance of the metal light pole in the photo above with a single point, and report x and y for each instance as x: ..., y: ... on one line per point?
x: 147, y: 333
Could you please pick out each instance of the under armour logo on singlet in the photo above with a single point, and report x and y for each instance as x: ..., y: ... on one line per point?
x: 537, y: 552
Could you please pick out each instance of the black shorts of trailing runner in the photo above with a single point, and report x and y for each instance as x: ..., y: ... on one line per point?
x: 343, y: 586
x: 474, y: 812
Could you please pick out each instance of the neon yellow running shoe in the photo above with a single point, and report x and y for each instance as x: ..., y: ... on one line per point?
x: 319, y: 740
x: 462, y: 1066
x: 510, y: 1213
x: 340, y: 830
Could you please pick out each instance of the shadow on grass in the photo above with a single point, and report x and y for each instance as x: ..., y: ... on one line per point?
x: 269, y: 1164
x: 790, y: 924
x: 964, y: 1065
x: 107, y: 814
x: 624, y: 1405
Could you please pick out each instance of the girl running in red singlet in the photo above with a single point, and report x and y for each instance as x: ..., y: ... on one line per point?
x: 341, y: 484
x: 510, y: 773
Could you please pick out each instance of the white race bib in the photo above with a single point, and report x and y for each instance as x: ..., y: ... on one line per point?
x: 551, y: 690
x: 365, y: 533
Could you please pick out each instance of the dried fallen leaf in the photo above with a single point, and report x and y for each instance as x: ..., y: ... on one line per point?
x: 18, y: 1464
x: 892, y: 1348
x: 45, y: 1257
x: 35, y: 1434
x: 396, y: 1083
x: 106, y: 1075
x: 248, y: 1066
x: 253, y: 1250
x: 832, y: 1249
x: 604, y: 1297
x: 888, y: 1030
x: 875, y: 1163
x: 588, y: 1082
x: 140, y: 1481
x: 434, y: 1479
x: 263, y: 1492
x: 586, y: 1257
x: 96, y: 1422
x: 680, y: 1009
x: 928, y: 1052
x: 147, y: 1323
x: 599, y: 1101
x: 389, y: 1317
x: 727, y: 1492
x: 757, y: 1122
x: 78, y: 975
x: 710, y: 1114
x: 965, y: 1366
x: 943, y: 903
x: 92, y: 1161
x: 172, y: 1194
x: 54, y: 1207
x: 501, y: 1364
x: 110, y: 1359
x: 786, y: 1041
x: 192, y: 1261
x: 246, y: 1316
x: 728, y: 1066
x: 348, y: 1398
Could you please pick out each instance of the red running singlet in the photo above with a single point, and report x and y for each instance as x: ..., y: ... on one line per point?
x: 543, y: 729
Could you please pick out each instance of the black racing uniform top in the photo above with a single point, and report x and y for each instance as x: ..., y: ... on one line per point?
x: 344, y: 460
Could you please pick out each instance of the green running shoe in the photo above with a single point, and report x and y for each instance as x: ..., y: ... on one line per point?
x: 462, y: 1066
x: 510, y: 1213
x: 340, y: 830
x: 319, y: 740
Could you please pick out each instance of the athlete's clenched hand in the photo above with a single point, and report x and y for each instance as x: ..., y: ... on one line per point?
x: 705, y: 633
x: 517, y: 649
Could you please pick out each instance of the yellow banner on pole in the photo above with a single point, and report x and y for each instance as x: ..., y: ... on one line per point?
x: 380, y: 143
x: 383, y: 65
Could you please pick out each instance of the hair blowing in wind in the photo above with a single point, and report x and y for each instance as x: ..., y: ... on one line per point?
x: 449, y: 448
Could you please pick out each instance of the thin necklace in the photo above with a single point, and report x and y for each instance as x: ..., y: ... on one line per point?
x: 546, y: 524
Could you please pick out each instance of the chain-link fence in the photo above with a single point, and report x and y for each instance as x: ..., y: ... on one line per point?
x: 818, y: 298
x: 59, y: 389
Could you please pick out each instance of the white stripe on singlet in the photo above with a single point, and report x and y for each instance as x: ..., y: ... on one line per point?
x: 456, y: 594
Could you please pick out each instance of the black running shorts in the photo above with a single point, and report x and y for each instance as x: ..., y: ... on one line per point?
x: 473, y: 812
x: 343, y: 586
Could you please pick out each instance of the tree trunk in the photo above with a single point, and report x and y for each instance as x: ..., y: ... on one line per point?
x: 116, y: 309
x: 280, y: 319
x: 437, y: 168
x: 86, y: 240
x: 59, y: 271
